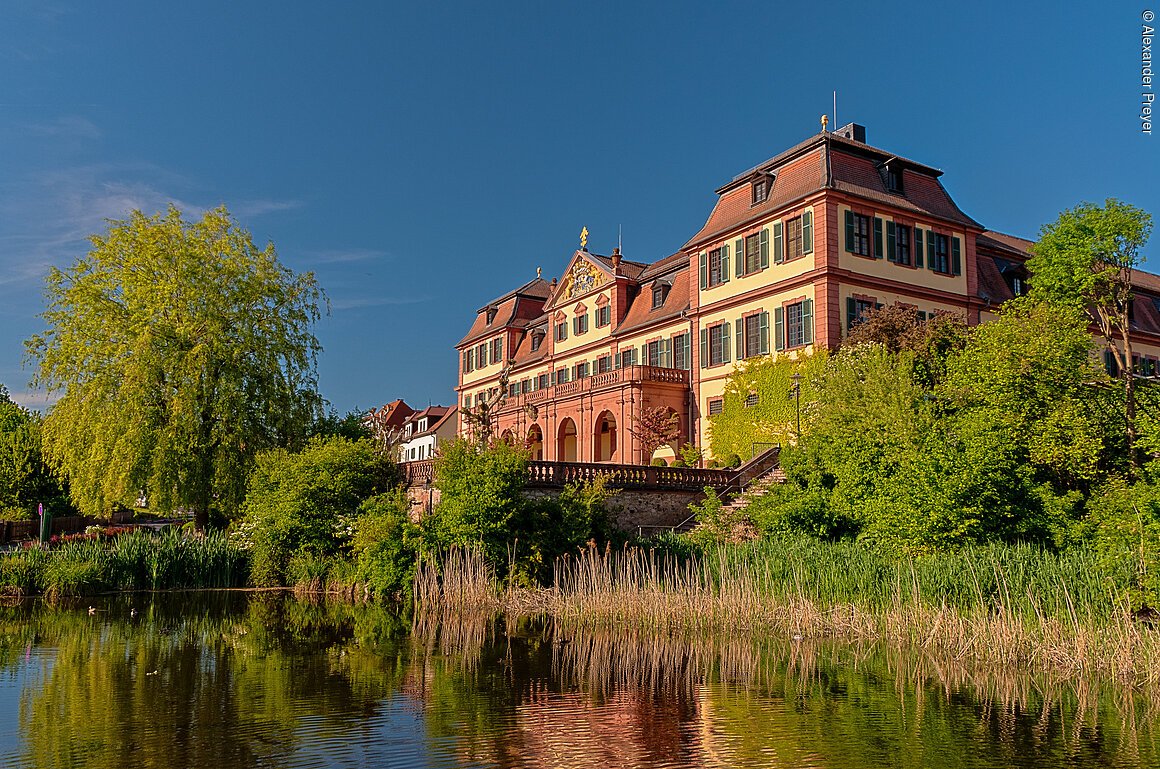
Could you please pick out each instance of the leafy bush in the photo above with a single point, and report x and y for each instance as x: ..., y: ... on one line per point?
x: 385, y: 544
x: 298, y: 502
x: 483, y: 504
x: 659, y: 462
x: 1125, y: 530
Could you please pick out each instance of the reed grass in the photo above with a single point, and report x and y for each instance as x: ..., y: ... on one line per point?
x: 1012, y: 606
x: 135, y: 561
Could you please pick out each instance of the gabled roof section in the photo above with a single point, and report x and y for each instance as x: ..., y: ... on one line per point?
x: 828, y: 161
x: 586, y: 272
x: 677, y: 261
x: 512, y: 310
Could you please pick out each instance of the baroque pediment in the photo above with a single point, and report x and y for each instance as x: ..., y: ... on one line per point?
x: 583, y: 276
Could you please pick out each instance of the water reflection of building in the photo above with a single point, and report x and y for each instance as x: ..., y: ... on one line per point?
x: 794, y: 253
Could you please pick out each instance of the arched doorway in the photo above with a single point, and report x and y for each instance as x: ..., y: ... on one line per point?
x: 566, y: 441
x: 604, y: 438
x: 535, y: 442
x: 507, y: 437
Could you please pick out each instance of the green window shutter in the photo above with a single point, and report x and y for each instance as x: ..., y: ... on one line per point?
x: 739, y: 259
x: 704, y: 348
x: 644, y: 355
x: 764, y: 247
x: 778, y: 328
x: 850, y: 232
x: 725, y: 343
x: 930, y: 249
x: 851, y: 312
x: 808, y: 232
x: 956, y: 258
x: 877, y: 238
x: 808, y: 321
x: 739, y: 329
x: 891, y: 250
x: 725, y: 263
x: 778, y: 245
x: 704, y: 270
x: 917, y: 247
x: 464, y: 367
x: 667, y: 353
x: 763, y: 333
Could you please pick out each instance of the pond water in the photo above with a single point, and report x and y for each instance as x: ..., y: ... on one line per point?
x: 226, y: 680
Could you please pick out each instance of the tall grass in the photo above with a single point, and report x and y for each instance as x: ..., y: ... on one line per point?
x: 135, y: 561
x: 1006, y: 605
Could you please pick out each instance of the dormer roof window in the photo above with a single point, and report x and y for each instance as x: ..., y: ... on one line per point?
x: 760, y: 189
x: 537, y: 339
x: 659, y: 292
x: 491, y: 312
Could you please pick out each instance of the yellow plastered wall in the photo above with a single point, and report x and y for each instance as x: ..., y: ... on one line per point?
x: 883, y: 268
x: 489, y: 371
x: 568, y: 307
x: 771, y: 275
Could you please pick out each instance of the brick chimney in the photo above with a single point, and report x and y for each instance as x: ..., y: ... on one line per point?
x: 616, y: 260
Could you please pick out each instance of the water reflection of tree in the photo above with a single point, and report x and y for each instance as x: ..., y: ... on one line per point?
x: 200, y: 686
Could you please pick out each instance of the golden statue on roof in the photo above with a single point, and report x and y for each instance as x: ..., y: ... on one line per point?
x: 584, y: 238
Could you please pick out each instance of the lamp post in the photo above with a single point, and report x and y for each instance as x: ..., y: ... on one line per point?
x: 795, y: 392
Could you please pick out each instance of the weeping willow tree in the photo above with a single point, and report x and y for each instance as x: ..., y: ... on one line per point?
x: 178, y: 350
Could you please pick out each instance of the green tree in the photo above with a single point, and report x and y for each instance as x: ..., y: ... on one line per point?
x: 25, y: 479
x: 1085, y: 260
x: 181, y: 350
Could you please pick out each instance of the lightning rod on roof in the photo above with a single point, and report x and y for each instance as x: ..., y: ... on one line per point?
x: 835, y: 107
x: 620, y: 238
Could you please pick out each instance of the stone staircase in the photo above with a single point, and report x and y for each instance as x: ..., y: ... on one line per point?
x: 757, y: 488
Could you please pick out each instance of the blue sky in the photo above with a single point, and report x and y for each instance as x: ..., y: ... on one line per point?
x: 423, y: 158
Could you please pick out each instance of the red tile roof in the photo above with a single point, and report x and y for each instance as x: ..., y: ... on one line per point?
x: 514, y: 309
x: 641, y: 312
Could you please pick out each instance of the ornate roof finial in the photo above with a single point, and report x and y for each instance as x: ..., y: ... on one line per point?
x: 584, y: 239
x: 825, y: 120
x: 539, y: 273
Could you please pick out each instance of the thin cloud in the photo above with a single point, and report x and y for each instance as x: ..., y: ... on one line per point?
x: 249, y: 209
x: 355, y: 303
x: 66, y: 127
x: 348, y: 256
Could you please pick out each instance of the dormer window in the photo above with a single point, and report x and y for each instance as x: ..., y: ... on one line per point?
x: 537, y: 340
x: 760, y: 189
x: 491, y: 312
x: 422, y: 425
x: 891, y: 172
x: 659, y: 292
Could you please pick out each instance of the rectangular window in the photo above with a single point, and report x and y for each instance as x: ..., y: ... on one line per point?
x: 580, y: 324
x: 603, y: 364
x: 857, y: 234
x: 795, y: 334
x: 760, y: 191
x: 751, y: 400
x: 481, y: 355
x: 939, y: 253
x: 525, y: 386
x: 626, y: 358
x: 753, y: 253
x: 857, y: 310
x: 682, y: 348
x: 716, y: 406
x: 561, y: 331
x: 537, y: 340
x: 603, y: 316
x: 581, y: 370
x: 513, y: 389
x: 715, y: 267
x: 794, y: 242
x: 656, y: 353
x: 753, y: 335
x: 497, y: 350
x: 902, y: 244
x: 545, y: 381
x: 561, y: 375
x: 719, y: 344
x: 658, y: 296
x: 466, y: 401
